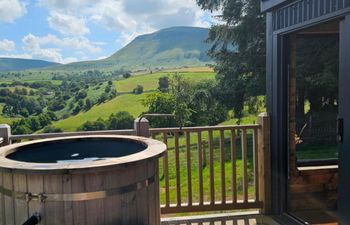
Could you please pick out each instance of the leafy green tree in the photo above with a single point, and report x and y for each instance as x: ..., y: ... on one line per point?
x: 121, y: 120
x: 103, y: 98
x: 182, y: 90
x: 108, y: 89
x: 205, y: 106
x: 81, y: 95
x: 163, y: 84
x: 126, y: 75
x: 163, y: 103
x: 52, y: 129
x: 88, y: 104
x: 138, y: 90
x: 238, y: 47
x: 99, y: 124
x: 76, y: 110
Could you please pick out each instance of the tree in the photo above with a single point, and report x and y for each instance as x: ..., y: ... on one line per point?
x: 103, y: 98
x: 121, y: 120
x: 182, y: 91
x: 126, y: 75
x: 52, y: 129
x: 76, y: 110
x: 205, y: 106
x: 99, y: 124
x: 163, y: 84
x: 159, y: 102
x: 81, y: 95
x: 108, y: 89
x: 238, y: 47
x: 138, y: 90
x: 88, y: 104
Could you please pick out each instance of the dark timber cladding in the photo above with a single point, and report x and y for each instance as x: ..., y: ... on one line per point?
x: 283, y: 17
x: 290, y: 14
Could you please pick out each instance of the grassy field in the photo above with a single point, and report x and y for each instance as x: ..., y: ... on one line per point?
x: 125, y: 101
x: 150, y: 81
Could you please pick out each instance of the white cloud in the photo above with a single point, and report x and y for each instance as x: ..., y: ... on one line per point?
x: 110, y: 14
x: 66, y: 5
x: 49, y: 47
x: 17, y: 56
x: 70, y: 60
x: 67, y: 25
x: 133, y: 17
x: 6, y: 45
x: 10, y: 10
x: 102, y: 57
x: 79, y: 43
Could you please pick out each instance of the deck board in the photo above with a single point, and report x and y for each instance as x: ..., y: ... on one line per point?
x: 221, y: 219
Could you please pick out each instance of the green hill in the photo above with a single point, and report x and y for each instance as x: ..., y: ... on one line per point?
x: 10, y: 64
x: 126, y: 101
x: 167, y: 48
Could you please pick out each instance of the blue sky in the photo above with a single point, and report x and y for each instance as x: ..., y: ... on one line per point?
x: 74, y: 30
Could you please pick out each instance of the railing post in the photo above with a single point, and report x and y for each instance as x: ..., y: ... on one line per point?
x: 141, y: 127
x: 5, y: 133
x: 264, y: 158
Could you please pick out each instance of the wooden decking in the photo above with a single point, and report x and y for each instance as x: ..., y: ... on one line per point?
x: 242, y: 218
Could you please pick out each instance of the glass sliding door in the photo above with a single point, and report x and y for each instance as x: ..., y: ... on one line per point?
x: 313, y: 100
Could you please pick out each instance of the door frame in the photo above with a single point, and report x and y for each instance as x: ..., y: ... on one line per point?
x: 344, y: 112
x: 277, y: 53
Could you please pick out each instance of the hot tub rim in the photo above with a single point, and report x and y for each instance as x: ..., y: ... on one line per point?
x: 154, y: 150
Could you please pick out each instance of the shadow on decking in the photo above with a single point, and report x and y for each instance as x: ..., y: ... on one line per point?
x: 221, y: 219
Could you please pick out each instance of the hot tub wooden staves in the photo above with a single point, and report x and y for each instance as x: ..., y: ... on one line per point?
x: 121, y: 190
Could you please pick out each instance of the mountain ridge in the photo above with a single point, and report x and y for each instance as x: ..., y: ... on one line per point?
x: 17, y: 64
x: 167, y: 48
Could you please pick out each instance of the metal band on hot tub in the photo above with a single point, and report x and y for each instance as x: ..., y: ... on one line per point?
x: 85, y: 196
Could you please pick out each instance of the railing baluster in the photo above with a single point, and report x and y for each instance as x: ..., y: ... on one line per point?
x: 211, y: 167
x: 177, y: 164
x: 234, y: 166
x: 189, y: 168
x: 222, y: 161
x: 200, y: 167
x: 256, y: 163
x: 166, y: 171
x: 244, y: 162
x: 154, y: 135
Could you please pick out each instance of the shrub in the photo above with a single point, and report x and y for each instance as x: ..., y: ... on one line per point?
x: 127, y: 75
x: 138, y: 90
x: 121, y: 120
x: 52, y: 129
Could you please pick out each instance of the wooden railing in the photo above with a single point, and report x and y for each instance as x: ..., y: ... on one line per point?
x: 227, y: 145
x: 205, y: 168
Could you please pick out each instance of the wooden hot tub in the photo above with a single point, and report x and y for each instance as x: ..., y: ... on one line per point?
x: 81, y: 180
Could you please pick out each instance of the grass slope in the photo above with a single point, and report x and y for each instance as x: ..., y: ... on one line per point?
x: 125, y: 102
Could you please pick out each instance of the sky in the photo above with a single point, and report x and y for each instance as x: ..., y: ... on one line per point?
x: 67, y: 31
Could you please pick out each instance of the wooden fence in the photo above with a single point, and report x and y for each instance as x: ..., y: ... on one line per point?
x: 215, y: 168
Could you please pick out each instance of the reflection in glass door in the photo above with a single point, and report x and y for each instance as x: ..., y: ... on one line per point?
x: 313, y: 114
